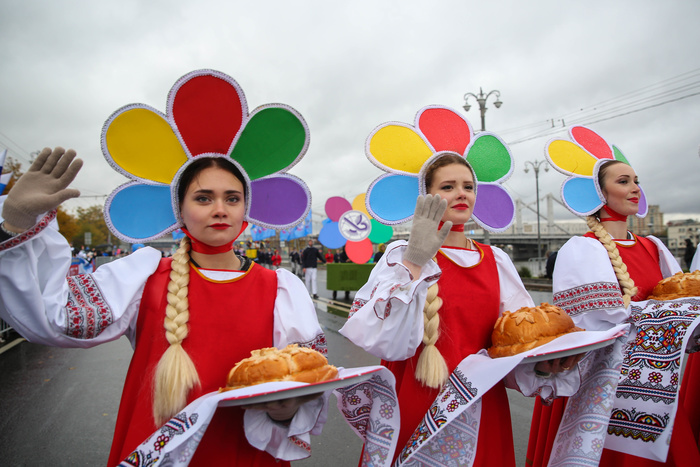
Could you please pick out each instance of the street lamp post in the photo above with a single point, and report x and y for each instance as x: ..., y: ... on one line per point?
x: 481, y: 100
x: 536, y: 167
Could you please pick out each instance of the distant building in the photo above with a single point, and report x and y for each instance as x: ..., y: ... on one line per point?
x: 652, y: 224
x: 678, y: 231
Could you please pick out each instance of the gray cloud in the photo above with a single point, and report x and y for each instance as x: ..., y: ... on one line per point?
x: 66, y: 66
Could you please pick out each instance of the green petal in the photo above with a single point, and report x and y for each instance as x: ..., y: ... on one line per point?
x: 490, y: 158
x: 272, y: 140
x: 619, y: 156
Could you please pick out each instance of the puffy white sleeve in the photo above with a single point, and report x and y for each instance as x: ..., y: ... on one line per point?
x: 584, y: 284
x: 295, y: 323
x: 695, y: 264
x: 46, y: 306
x: 513, y: 292
x: 667, y: 262
x: 386, y: 318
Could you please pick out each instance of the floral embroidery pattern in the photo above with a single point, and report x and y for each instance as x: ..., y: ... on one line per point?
x: 318, y: 344
x: 646, y: 395
x: 29, y: 234
x: 370, y: 409
x: 87, y: 312
x: 595, y: 296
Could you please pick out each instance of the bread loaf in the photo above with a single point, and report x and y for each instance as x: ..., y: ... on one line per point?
x: 527, y: 328
x: 676, y: 286
x: 293, y: 363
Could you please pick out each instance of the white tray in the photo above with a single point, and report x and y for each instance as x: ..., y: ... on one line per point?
x: 268, y: 392
x: 568, y: 352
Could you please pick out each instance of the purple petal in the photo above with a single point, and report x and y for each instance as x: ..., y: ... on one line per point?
x: 494, y: 208
x: 278, y: 201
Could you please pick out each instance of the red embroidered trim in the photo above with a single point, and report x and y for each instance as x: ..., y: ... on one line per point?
x: 318, y: 344
x: 87, y: 312
x: 29, y: 234
x: 302, y: 444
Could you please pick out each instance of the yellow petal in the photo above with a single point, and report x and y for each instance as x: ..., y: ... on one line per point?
x: 571, y: 158
x: 142, y: 143
x: 399, y: 148
x: 358, y: 204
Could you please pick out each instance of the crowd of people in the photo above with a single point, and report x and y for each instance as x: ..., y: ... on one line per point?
x: 429, y: 306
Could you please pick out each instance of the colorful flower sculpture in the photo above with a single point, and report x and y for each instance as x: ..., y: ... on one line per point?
x: 351, y: 226
x: 207, y: 115
x: 581, y: 159
x: 402, y: 150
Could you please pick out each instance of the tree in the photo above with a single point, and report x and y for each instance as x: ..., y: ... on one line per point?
x: 91, y: 219
x: 67, y: 224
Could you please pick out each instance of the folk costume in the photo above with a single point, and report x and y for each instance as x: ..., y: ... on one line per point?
x: 231, y: 312
x: 645, y: 417
x: 475, y: 285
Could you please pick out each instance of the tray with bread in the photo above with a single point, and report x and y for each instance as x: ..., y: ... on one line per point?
x: 271, y: 374
x: 532, y: 327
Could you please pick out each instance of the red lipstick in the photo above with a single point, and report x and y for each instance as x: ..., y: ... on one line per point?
x: 634, y: 200
x: 220, y: 226
x: 461, y: 206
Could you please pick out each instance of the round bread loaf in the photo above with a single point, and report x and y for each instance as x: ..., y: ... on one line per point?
x: 676, y: 286
x: 527, y: 328
x: 293, y: 363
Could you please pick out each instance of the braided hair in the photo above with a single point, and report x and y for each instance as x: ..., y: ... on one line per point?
x: 175, y: 373
x: 629, y: 290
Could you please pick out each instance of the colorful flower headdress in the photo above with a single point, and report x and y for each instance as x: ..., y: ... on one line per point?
x: 207, y: 116
x: 581, y: 159
x: 403, y: 150
x: 351, y: 226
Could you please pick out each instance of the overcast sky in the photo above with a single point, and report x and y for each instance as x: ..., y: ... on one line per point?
x: 629, y: 70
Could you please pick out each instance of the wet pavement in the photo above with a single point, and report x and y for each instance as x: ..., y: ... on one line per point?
x: 58, y: 407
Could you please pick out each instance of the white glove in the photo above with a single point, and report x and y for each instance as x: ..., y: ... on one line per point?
x: 425, y: 239
x: 42, y: 188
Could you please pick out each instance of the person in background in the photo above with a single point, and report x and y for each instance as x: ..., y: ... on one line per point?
x: 329, y: 256
x: 276, y: 260
x: 380, y: 252
x: 309, y: 263
x: 689, y: 252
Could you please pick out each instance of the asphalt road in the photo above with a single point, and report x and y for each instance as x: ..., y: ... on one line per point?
x: 58, y: 406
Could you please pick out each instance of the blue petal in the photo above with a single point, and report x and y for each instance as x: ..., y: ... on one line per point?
x: 330, y: 236
x: 140, y: 212
x: 580, y: 196
x: 391, y: 199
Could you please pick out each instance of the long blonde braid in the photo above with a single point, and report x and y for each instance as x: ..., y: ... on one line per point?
x: 175, y: 374
x: 431, y: 369
x: 629, y: 290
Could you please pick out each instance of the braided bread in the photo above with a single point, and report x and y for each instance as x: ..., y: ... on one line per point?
x: 293, y: 363
x: 676, y: 286
x: 527, y: 328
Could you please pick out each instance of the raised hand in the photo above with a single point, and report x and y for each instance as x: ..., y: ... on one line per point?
x: 425, y: 239
x: 42, y: 188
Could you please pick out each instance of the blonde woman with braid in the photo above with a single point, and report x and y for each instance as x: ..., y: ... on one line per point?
x: 432, y: 301
x: 599, y: 275
x: 189, y: 318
